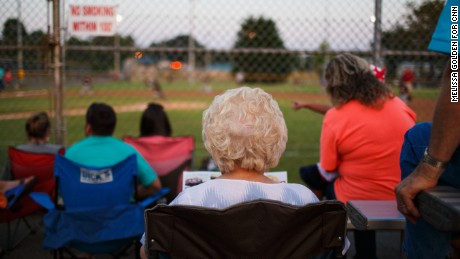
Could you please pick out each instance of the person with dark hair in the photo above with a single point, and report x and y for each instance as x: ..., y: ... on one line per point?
x: 38, y: 129
x: 38, y: 125
x: 155, y: 122
x: 100, y: 148
x: 100, y: 120
x: 360, y: 143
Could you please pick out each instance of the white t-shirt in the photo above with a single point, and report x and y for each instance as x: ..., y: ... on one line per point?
x: 223, y: 193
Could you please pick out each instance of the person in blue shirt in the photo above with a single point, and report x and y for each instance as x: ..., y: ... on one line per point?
x: 430, y: 156
x: 100, y: 148
x: 422, y: 240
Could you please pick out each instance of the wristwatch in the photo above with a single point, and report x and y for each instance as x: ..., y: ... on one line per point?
x: 433, y: 161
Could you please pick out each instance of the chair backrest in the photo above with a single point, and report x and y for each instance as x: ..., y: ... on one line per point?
x: 256, y: 229
x: 168, y: 156
x: 99, y: 215
x: 24, y: 164
x: 85, y: 187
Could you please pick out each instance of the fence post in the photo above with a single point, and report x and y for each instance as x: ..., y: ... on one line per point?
x: 191, y: 45
x: 378, y: 34
x: 57, y: 74
x: 19, y: 43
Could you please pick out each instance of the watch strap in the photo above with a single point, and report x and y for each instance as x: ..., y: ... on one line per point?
x: 433, y: 161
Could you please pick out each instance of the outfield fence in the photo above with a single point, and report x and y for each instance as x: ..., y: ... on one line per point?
x: 195, y: 49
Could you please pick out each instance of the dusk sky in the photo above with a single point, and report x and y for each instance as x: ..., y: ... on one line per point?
x: 302, y: 24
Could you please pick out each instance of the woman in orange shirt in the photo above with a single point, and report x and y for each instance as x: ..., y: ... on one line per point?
x: 361, y: 140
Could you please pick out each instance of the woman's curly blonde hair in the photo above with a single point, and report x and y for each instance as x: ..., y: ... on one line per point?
x: 350, y: 77
x: 244, y: 127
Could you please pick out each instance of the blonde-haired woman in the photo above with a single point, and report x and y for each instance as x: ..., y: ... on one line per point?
x: 361, y: 140
x: 245, y: 133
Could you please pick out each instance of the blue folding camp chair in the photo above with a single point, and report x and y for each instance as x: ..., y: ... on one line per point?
x: 98, y: 214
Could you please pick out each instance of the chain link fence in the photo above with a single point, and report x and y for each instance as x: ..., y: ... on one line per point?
x: 181, y: 53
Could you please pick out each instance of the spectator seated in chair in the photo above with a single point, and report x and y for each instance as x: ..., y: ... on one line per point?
x: 245, y: 133
x: 38, y: 128
x: 360, y: 141
x: 440, y: 164
x: 168, y: 156
x: 100, y: 148
x: 421, y: 239
x: 155, y: 122
x: 34, y: 159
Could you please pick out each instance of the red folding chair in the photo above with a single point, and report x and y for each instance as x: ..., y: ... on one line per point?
x: 25, y: 164
x: 168, y: 156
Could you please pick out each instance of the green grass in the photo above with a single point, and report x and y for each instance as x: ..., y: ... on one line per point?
x: 24, y: 104
x: 304, y: 126
x: 422, y: 93
x: 428, y: 93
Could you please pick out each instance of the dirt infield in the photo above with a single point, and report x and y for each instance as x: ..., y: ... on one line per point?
x: 422, y: 107
x: 122, y: 108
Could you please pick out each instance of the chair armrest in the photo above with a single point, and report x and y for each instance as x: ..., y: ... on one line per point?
x: 43, y: 199
x: 152, y: 198
x: 375, y: 215
x: 13, y: 195
x: 440, y: 207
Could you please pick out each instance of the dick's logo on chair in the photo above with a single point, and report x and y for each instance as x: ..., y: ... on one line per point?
x: 96, y: 176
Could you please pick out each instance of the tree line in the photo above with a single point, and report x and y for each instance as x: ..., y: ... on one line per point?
x: 412, y: 32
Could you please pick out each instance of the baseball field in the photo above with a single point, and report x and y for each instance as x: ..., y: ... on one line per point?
x: 185, y: 101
